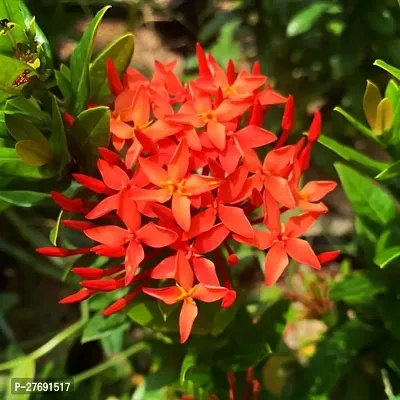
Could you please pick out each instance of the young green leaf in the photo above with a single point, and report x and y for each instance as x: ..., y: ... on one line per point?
x: 367, y: 198
x: 34, y: 153
x: 120, y: 52
x: 304, y: 20
x: 384, y: 117
x: 64, y: 85
x: 80, y: 60
x: 389, y: 68
x: 386, y: 256
x: 357, y: 124
x: 351, y: 155
x: 371, y: 100
x: 392, y: 92
x: 188, y: 362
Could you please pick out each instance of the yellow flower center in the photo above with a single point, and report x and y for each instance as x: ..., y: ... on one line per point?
x: 175, y: 187
x: 185, y: 295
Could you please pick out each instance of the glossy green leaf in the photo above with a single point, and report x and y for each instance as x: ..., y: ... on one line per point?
x: 80, y: 60
x: 23, y: 198
x: 357, y: 288
x: 11, y: 165
x: 386, y: 256
x: 358, y: 125
x: 368, y: 199
x: 392, y: 92
x: 371, y: 100
x: 22, y: 129
x: 121, y: 52
x: 11, y: 69
x: 351, y: 155
x: 384, y: 117
x: 392, y: 172
x: 58, y: 140
x: 99, y: 327
x: 33, y: 153
x: 90, y: 130
x: 64, y: 85
x: 28, y: 109
x: 389, y: 68
x: 24, y: 369
x: 304, y: 20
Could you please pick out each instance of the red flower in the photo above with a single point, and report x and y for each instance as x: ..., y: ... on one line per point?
x: 187, y: 292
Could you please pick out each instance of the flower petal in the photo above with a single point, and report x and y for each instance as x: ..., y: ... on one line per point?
x: 153, y: 171
x: 159, y: 195
x: 110, y: 235
x: 179, y: 164
x: 201, y: 222
x: 280, y: 190
x: 95, y: 185
x: 275, y: 263
x: 300, y: 224
x: 168, y: 294
x: 156, y: 236
x: 128, y: 212
x: 134, y: 256
x: 181, y: 210
x: 104, y: 207
x: 216, y: 134
x: 316, y: 190
x: 165, y: 269
x: 301, y: 251
x: 209, y: 241
x: 113, y: 176
x: 233, y: 185
x: 253, y: 136
x: 209, y: 293
x: 272, y: 215
x: 186, y: 319
x: 204, y: 271
x: 183, y: 271
x: 235, y: 220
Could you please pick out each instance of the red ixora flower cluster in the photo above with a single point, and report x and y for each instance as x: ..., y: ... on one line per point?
x: 185, y: 179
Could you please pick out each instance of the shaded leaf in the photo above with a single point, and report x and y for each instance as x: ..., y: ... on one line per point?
x: 34, y: 153
x: 351, y: 155
x: 120, y: 51
x: 80, y: 60
x: 23, y: 198
x: 367, y: 198
x: 304, y: 20
x: 22, y: 129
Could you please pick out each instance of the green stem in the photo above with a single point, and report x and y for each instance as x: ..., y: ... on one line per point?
x: 109, y: 363
x: 53, y: 342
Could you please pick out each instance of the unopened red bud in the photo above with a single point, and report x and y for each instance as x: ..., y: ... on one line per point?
x: 109, y: 156
x: 328, y: 256
x: 288, y: 115
x: 106, y: 285
x: 256, y: 68
x: 77, y: 225
x: 77, y: 297
x: 107, y: 251
x: 230, y: 72
x: 232, y: 259
x: 61, y: 251
x: 256, y: 389
x: 204, y: 69
x: 249, y: 375
x: 88, y: 272
x: 67, y: 204
x: 114, y: 82
x: 231, y: 378
x: 315, y: 128
x: 305, y: 157
x: 68, y: 118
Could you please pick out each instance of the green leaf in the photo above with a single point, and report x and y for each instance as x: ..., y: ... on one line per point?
x: 25, y: 369
x: 64, y: 85
x: 7, y: 301
x: 11, y: 69
x: 351, y: 155
x: 23, y: 198
x: 384, y: 117
x: 392, y: 92
x: 339, y: 351
x: 387, y: 67
x: 367, y: 198
x: 304, y: 20
x: 223, y: 317
x: 370, y: 116
x: 393, y: 171
x: 80, y: 60
x: 99, y: 327
x: 34, y: 153
x: 29, y: 109
x: 90, y: 130
x: 357, y: 288
x: 388, y: 309
x: 372, y: 98
x: 188, y: 362
x: 12, y: 165
x: 386, y: 256
x: 121, y: 52
x: 58, y: 140
x: 22, y: 129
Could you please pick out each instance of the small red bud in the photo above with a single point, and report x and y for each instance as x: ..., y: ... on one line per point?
x: 328, y: 256
x: 114, y: 82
